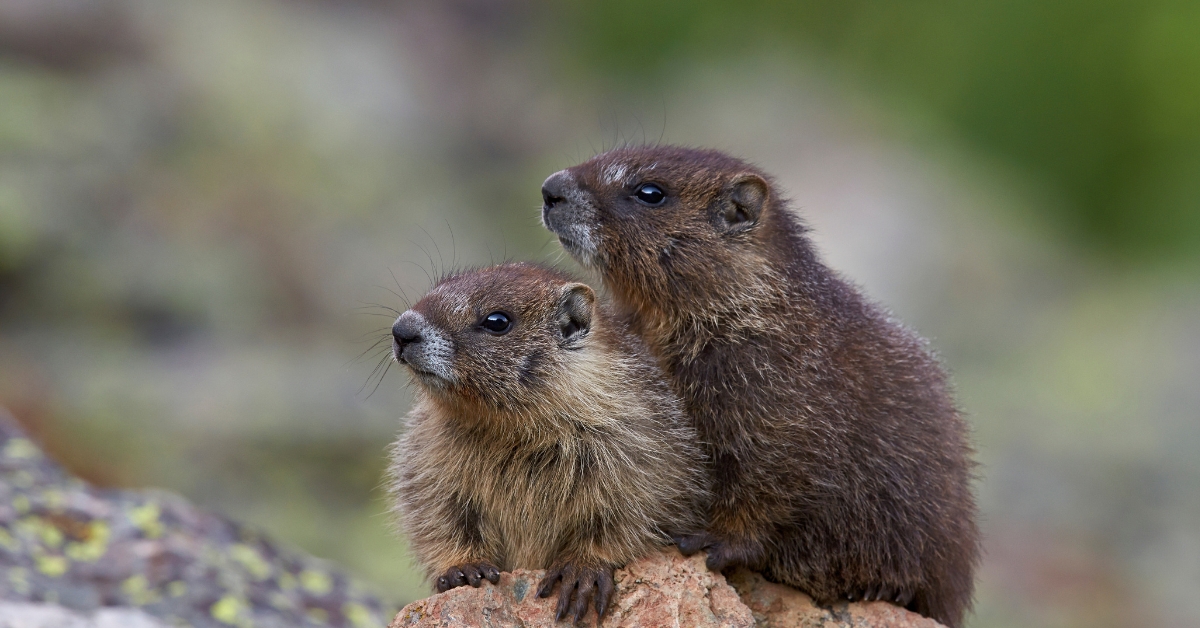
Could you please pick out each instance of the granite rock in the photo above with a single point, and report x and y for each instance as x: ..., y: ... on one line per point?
x: 67, y: 545
x: 27, y: 615
x: 661, y: 590
x: 779, y: 606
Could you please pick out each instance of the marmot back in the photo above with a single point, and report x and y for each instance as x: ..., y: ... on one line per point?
x: 543, y: 436
x: 839, y: 462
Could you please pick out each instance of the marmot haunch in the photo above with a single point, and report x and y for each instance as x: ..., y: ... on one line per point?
x: 840, y: 464
x: 543, y: 436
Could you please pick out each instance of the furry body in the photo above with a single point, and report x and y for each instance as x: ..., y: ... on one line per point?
x: 557, y: 445
x: 839, y: 462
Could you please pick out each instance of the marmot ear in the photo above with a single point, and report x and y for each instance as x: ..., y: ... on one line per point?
x: 575, y: 310
x: 743, y: 204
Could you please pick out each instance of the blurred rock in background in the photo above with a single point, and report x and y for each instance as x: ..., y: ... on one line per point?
x: 196, y: 197
x: 68, y: 34
x: 75, y: 554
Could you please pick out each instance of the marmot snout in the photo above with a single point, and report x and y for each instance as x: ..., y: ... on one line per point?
x: 543, y: 436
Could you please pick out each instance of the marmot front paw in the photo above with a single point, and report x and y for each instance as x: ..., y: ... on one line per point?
x: 722, y: 553
x: 468, y: 573
x: 583, y: 582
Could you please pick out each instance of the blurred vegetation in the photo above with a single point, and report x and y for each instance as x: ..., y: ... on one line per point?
x: 1096, y: 100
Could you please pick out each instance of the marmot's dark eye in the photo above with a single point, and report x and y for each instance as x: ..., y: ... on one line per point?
x: 497, y: 323
x: 650, y: 194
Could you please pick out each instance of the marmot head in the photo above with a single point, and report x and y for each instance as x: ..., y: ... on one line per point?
x: 676, y: 233
x: 498, y: 337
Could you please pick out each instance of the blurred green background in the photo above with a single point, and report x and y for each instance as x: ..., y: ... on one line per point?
x: 195, y: 197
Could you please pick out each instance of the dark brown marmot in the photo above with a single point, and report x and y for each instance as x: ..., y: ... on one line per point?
x: 839, y: 462
x: 543, y: 436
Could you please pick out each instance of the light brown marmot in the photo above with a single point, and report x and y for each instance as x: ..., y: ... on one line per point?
x: 543, y: 436
x: 840, y: 464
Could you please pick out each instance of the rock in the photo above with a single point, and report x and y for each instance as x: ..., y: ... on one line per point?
x: 70, y: 34
x: 660, y: 590
x: 664, y: 589
x: 74, y: 556
x: 23, y: 615
x: 779, y: 606
x: 66, y: 546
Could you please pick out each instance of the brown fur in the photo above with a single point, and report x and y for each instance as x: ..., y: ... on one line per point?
x: 839, y: 462
x: 558, y: 445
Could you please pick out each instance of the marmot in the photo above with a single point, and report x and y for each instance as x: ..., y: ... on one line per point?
x: 543, y: 436
x: 839, y: 462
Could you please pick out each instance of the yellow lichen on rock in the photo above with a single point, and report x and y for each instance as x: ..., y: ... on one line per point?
x: 227, y: 609
x: 315, y: 581
x: 51, y: 565
x: 145, y: 518
x: 248, y: 557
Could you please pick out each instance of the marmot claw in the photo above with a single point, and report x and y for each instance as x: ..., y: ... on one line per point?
x: 468, y: 573
x: 584, y: 582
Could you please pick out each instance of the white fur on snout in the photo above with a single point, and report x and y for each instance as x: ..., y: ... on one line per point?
x: 434, y: 353
x: 577, y: 224
x: 583, y: 242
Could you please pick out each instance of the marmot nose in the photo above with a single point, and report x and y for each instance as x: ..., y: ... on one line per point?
x: 407, y: 328
x: 554, y: 190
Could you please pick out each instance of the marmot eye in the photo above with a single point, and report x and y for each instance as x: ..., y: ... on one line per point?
x: 650, y: 194
x: 497, y: 322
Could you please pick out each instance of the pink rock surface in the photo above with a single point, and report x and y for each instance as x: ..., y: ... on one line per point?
x: 779, y: 606
x: 662, y: 590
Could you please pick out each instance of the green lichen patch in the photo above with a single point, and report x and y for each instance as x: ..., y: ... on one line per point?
x: 20, y: 449
x: 177, y: 588
x: 83, y: 548
x: 52, y: 566
x: 249, y: 558
x: 138, y: 591
x: 359, y: 615
x: 316, y: 582
x: 93, y: 544
x: 145, y: 517
x: 228, y: 610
